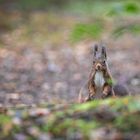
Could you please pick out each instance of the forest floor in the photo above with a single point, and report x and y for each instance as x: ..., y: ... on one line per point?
x: 46, y: 58
x: 39, y: 63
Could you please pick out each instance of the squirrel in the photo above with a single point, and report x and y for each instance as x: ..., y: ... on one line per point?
x: 100, y: 83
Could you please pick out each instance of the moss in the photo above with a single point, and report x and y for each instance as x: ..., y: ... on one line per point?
x: 121, y: 114
x: 128, y: 122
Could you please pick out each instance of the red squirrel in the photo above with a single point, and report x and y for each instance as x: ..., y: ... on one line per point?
x: 100, y: 83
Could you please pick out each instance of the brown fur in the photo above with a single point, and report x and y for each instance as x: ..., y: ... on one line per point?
x: 108, y: 89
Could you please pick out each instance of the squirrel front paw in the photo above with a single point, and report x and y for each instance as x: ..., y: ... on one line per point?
x: 89, y: 98
x: 104, y: 95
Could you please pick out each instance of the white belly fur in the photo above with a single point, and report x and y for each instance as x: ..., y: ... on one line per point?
x: 99, y: 82
x: 99, y: 79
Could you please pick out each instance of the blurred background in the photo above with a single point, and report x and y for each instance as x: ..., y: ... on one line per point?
x: 46, y: 46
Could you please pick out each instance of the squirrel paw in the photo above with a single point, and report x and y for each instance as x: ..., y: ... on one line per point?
x: 89, y: 98
x: 104, y: 96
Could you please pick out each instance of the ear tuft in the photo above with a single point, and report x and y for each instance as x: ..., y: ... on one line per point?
x: 104, y: 51
x: 95, y: 49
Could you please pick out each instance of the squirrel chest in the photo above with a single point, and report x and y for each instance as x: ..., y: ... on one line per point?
x: 99, y: 79
x: 99, y: 82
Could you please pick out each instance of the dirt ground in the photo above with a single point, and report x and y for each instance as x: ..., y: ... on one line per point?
x: 57, y: 75
x: 51, y: 74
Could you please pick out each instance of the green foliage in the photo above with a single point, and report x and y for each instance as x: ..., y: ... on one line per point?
x: 120, y: 114
x: 41, y: 26
x: 131, y: 7
x: 104, y: 9
x: 4, y: 119
x: 122, y: 29
x: 80, y: 6
x: 85, y: 31
x: 128, y: 123
x: 123, y: 8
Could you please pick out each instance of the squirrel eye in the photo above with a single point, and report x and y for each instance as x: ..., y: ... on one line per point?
x: 104, y: 61
x: 93, y: 62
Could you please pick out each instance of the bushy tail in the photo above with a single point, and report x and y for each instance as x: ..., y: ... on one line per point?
x: 80, y: 97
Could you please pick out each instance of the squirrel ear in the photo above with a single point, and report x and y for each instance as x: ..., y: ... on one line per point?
x: 95, y: 49
x: 104, y: 51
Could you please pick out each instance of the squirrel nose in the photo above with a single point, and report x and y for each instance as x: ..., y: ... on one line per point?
x: 98, y: 67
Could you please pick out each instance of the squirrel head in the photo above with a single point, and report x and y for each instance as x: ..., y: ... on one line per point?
x: 99, y: 58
